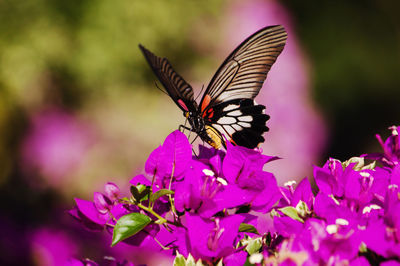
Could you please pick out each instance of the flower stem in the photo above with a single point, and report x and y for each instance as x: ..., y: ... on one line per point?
x: 162, y: 220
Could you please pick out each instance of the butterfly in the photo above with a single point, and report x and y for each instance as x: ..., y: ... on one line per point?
x: 227, y: 110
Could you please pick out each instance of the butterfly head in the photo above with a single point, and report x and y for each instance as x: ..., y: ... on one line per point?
x: 196, y: 121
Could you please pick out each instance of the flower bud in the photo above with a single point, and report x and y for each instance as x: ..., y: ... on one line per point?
x: 112, y: 191
x: 101, y: 202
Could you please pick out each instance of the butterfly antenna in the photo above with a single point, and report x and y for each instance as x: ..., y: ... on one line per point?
x: 155, y: 82
x: 202, y: 87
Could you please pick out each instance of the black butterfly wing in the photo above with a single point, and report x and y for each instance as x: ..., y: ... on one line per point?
x: 179, y: 90
x: 227, y: 104
x: 244, y: 71
x: 240, y: 121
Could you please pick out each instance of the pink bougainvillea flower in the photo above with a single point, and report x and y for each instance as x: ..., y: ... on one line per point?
x: 51, y: 247
x: 216, y: 200
x: 56, y: 144
x: 391, y: 149
x: 216, y: 238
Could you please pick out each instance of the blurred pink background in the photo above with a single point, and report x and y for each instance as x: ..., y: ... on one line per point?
x: 297, y: 131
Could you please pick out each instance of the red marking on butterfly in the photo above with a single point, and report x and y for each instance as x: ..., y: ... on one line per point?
x: 209, y: 114
x: 183, y: 105
x: 206, y: 102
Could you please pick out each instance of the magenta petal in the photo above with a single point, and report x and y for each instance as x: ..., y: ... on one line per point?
x: 390, y: 263
x: 182, y: 241
x: 360, y: 261
x: 187, y: 192
x: 395, y: 175
x: 216, y: 163
x: 118, y: 211
x: 206, y: 153
x: 303, y: 192
x: 152, y: 166
x: 352, y: 187
x: 74, y: 262
x: 375, y: 238
x: 140, y: 179
x: 345, y: 247
x: 381, y: 182
x: 101, y: 202
x: 198, y: 238
x: 270, y: 194
x: 88, y: 209
x: 264, y: 224
x: 212, y: 241
x: 324, y: 180
x: 177, y: 153
x: 145, y: 238
x: 227, y: 240
x: 287, y: 226
x: 232, y: 196
x: 325, y: 207
x: 334, y: 166
x: 239, y: 159
x: 238, y: 258
x: 392, y: 210
x: 112, y: 191
x: 74, y: 213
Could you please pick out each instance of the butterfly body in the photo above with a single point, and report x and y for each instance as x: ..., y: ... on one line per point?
x: 198, y: 125
x: 227, y: 110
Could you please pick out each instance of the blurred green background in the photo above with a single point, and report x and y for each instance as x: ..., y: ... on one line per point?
x: 79, y: 61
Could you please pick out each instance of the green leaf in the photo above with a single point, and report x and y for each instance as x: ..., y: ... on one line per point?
x: 292, y: 213
x: 274, y: 213
x: 359, y: 164
x: 254, y: 245
x: 128, y: 225
x: 247, y: 228
x: 268, y: 239
x: 160, y: 193
x: 302, y: 209
x: 370, y: 166
x: 190, y: 261
x: 363, y: 248
x: 179, y: 260
x: 220, y: 263
x: 247, y: 263
x: 141, y: 187
x: 144, y: 192
x: 135, y: 192
x: 140, y: 192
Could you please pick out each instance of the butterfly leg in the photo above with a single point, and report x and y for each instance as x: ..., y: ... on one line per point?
x: 194, y: 152
x: 194, y: 139
x: 183, y: 127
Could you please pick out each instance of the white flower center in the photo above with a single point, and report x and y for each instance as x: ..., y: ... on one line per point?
x: 222, y: 181
x: 341, y: 221
x: 332, y: 229
x: 256, y: 258
x: 368, y: 209
x: 290, y: 183
x: 208, y: 172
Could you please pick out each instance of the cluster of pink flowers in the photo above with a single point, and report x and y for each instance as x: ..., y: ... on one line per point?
x: 223, y: 208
